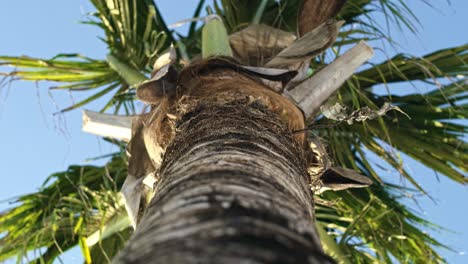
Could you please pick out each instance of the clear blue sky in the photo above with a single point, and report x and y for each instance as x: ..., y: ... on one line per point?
x: 36, y: 143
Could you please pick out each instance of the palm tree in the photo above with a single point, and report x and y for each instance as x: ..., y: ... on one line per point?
x: 82, y: 206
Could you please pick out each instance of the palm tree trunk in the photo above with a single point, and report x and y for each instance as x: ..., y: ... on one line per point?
x: 233, y: 189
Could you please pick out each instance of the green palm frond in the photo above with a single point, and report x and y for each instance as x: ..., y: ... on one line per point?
x: 239, y: 14
x: 430, y: 137
x: 362, y: 13
x: 81, y: 206
x: 372, y: 226
x: 109, y: 247
x: 71, y: 71
x: 70, y: 206
x: 450, y: 62
x: 75, y: 71
x: 283, y: 14
x: 135, y: 31
x: 191, y: 43
x: 433, y: 136
x: 432, y: 114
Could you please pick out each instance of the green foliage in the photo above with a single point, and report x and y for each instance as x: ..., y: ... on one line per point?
x: 81, y: 206
x: 72, y: 71
x: 371, y: 226
x: 83, y: 73
x: 395, y: 12
x: 446, y: 63
x: 135, y: 31
x: 215, y: 38
x: 373, y: 219
x: 239, y: 14
x: 69, y: 207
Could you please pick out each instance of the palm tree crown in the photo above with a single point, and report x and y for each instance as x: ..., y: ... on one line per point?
x: 82, y: 205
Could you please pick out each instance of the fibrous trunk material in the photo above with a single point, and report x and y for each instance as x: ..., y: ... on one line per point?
x: 233, y: 189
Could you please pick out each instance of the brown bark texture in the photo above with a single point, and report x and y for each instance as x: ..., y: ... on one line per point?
x: 233, y: 188
x: 233, y: 185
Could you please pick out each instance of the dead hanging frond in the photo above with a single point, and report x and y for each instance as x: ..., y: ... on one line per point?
x: 308, y: 46
x: 337, y: 112
x: 322, y: 10
x: 324, y: 176
x: 257, y: 44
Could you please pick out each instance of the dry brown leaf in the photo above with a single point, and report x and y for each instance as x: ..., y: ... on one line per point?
x: 310, y: 45
x: 337, y: 179
x: 162, y: 84
x: 258, y: 43
x: 315, y: 12
x: 337, y: 112
x: 139, y: 167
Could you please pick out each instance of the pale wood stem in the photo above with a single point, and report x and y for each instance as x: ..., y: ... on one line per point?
x: 313, y: 92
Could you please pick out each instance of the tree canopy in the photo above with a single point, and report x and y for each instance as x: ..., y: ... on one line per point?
x: 82, y: 205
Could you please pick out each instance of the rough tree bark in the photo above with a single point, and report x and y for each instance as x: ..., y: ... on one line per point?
x: 233, y: 186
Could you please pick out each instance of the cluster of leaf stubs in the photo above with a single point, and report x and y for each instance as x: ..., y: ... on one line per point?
x: 267, y: 59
